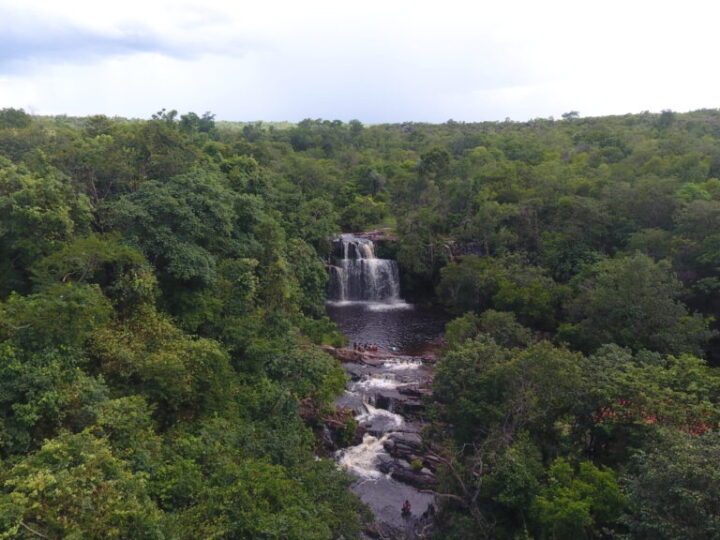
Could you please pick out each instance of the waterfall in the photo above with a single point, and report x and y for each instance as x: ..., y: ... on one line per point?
x: 359, y: 275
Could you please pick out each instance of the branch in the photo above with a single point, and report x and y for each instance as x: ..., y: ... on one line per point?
x: 41, y: 535
x: 478, y: 488
x: 445, y: 495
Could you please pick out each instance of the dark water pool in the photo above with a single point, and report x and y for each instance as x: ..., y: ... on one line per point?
x: 406, y: 327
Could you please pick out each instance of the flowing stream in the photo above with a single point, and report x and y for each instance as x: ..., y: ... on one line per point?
x: 385, y: 388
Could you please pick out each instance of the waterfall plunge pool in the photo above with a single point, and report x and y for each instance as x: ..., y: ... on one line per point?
x: 407, y: 328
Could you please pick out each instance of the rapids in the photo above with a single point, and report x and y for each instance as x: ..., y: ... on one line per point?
x: 364, y: 300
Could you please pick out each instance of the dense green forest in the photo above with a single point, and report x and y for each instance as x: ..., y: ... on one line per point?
x: 161, y: 306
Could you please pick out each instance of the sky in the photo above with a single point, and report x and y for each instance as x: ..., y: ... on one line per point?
x: 375, y: 61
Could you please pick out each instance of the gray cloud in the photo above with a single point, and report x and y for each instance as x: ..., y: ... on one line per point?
x: 28, y: 42
x: 25, y: 42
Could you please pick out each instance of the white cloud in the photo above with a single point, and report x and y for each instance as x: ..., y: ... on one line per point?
x: 376, y: 61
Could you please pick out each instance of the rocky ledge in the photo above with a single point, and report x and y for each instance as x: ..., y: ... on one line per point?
x: 376, y: 358
x: 407, y: 461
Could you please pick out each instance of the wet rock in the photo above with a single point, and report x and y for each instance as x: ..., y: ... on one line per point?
x: 405, y: 446
x: 383, y: 401
x: 354, y: 371
x: 410, y: 407
x: 360, y: 432
x: 408, y: 439
x: 414, y: 390
x: 418, y: 479
x: 402, y: 471
x: 431, y: 462
x: 385, y: 463
x: 345, y: 355
x: 384, y: 460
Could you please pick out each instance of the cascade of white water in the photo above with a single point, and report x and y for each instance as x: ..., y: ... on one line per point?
x: 362, y: 459
x: 360, y: 275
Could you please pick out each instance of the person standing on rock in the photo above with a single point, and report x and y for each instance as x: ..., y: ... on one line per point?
x: 406, y: 508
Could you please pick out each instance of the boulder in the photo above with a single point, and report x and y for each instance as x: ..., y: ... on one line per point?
x: 418, y: 479
x: 345, y: 355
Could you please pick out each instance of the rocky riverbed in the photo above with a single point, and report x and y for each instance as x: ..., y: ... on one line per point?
x: 388, y: 455
x: 384, y: 398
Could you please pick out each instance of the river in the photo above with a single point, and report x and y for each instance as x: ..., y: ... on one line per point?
x: 386, y: 386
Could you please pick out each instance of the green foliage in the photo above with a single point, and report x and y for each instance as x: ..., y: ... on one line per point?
x: 461, y: 329
x: 316, y: 222
x: 74, y: 487
x: 310, y: 275
x: 127, y: 424
x: 206, y: 426
x: 463, y: 383
x: 632, y: 301
x: 121, y: 271
x: 501, y: 326
x: 180, y: 224
x: 504, y: 329
x: 37, y: 214
x: 64, y: 314
x: 577, y: 504
x: 485, y: 388
x: 42, y: 392
x: 322, y: 331
x: 14, y: 118
x: 347, y: 434
x: 504, y: 284
x: 161, y: 282
x: 146, y: 354
x: 466, y: 286
x: 515, y: 478
x: 673, y: 488
x: 629, y: 397
x: 364, y: 212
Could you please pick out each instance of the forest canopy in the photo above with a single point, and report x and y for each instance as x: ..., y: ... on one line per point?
x: 161, y: 309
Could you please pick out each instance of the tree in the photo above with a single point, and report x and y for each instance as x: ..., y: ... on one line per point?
x: 674, y: 489
x: 434, y: 163
x: 74, y: 487
x: 122, y: 272
x: 577, y: 504
x: 489, y: 391
x: 629, y: 398
x: 36, y: 216
x: 63, y: 314
x: 41, y: 393
x: 501, y: 326
x: 191, y: 122
x: 14, y: 118
x: 507, y: 284
x: 181, y: 225
x: 634, y: 302
x: 488, y: 226
x: 146, y: 354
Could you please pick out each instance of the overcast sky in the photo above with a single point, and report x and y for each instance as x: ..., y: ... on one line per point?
x: 377, y: 61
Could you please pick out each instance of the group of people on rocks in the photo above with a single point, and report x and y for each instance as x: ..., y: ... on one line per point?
x: 365, y: 347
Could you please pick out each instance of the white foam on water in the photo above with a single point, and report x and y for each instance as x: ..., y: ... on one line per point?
x: 341, y: 303
x: 372, y: 414
x: 400, y: 365
x: 372, y: 305
x: 384, y: 382
x: 388, y: 306
x: 362, y: 459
